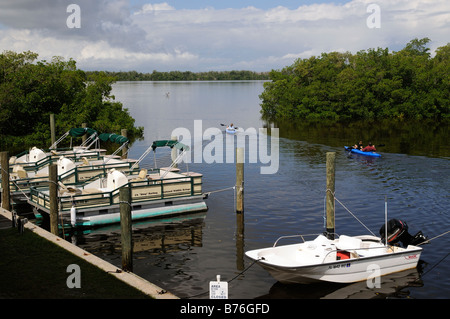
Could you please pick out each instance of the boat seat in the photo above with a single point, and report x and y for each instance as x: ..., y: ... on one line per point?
x: 142, y: 175
x: 348, y: 243
x: 19, y: 171
x: 85, y: 161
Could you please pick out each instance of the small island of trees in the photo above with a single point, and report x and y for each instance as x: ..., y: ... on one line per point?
x: 372, y: 84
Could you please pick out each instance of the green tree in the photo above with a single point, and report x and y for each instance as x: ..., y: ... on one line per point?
x: 31, y: 90
x: 370, y: 84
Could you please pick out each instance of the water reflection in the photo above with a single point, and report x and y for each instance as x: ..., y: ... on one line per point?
x: 391, y: 286
x: 150, y: 237
x: 424, y: 138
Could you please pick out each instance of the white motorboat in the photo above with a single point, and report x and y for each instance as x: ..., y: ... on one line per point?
x: 342, y: 259
x: 346, y: 259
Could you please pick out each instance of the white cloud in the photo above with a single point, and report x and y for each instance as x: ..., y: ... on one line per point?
x: 158, y: 36
x: 152, y: 8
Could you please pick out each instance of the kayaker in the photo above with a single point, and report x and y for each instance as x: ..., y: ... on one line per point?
x: 358, y: 146
x: 369, y: 148
x: 230, y: 127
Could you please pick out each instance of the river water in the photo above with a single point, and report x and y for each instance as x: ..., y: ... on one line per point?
x: 184, y: 254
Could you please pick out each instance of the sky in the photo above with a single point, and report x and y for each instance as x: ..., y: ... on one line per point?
x: 214, y: 35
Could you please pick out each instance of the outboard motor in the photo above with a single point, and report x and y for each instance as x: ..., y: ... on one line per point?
x: 398, y: 232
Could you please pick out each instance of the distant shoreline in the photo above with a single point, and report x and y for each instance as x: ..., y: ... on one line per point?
x: 185, y: 75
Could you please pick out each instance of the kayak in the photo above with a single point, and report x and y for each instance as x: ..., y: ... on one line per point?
x: 230, y: 130
x: 373, y: 154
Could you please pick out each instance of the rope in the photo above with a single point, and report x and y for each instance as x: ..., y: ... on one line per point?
x: 354, y: 216
x: 428, y: 240
x: 220, y: 190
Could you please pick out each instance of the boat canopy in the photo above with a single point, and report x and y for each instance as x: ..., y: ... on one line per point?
x: 170, y: 143
x: 80, y: 131
x: 115, y: 138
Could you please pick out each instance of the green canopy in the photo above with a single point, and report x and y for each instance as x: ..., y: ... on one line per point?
x: 80, y: 131
x: 115, y: 138
x: 170, y: 143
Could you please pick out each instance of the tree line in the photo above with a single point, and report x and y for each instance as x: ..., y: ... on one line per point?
x: 31, y: 90
x: 371, y: 84
x: 186, y: 75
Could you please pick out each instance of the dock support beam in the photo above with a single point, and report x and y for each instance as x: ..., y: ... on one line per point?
x: 4, y: 163
x: 126, y: 229
x: 124, y: 133
x: 331, y: 159
x: 239, y: 180
x: 52, y: 128
x: 53, y: 193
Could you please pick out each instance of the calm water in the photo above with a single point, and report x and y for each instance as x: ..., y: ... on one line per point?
x: 182, y: 255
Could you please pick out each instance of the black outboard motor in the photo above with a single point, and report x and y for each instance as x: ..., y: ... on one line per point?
x: 398, y: 232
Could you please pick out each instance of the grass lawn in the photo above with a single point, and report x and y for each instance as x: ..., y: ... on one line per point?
x: 32, y: 267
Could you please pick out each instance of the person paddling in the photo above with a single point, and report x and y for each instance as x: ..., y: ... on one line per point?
x: 358, y: 146
x: 369, y: 148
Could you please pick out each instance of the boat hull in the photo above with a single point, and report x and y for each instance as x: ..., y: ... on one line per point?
x: 355, y: 151
x: 301, y: 264
x: 343, y: 271
x: 142, y: 214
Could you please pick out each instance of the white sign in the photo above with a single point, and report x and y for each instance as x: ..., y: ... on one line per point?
x: 218, y: 289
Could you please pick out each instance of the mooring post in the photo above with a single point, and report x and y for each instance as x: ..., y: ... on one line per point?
x: 84, y: 137
x: 124, y: 133
x: 239, y: 180
x: 331, y: 159
x: 52, y: 128
x: 125, y: 227
x: 6, y: 198
x: 53, y: 189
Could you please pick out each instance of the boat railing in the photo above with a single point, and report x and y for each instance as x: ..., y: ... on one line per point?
x: 353, y: 251
x: 78, y: 175
x: 293, y: 236
x: 142, y: 190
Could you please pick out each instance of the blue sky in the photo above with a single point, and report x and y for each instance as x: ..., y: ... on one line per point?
x: 202, y: 35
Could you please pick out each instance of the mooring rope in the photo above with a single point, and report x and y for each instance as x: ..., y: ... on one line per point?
x: 428, y: 240
x: 220, y: 190
x: 345, y: 207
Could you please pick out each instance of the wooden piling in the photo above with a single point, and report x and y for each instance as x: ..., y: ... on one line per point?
x: 239, y: 180
x: 84, y: 137
x: 52, y: 128
x: 331, y: 159
x: 6, y: 197
x: 126, y: 230
x: 124, y: 133
x: 53, y: 193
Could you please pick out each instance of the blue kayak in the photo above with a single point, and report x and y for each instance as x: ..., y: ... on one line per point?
x: 373, y: 154
x: 230, y: 130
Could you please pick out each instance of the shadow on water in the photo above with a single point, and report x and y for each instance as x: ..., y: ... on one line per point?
x: 389, y: 286
x: 413, y: 137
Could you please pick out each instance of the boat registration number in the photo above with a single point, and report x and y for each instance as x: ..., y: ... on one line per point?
x: 339, y: 266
